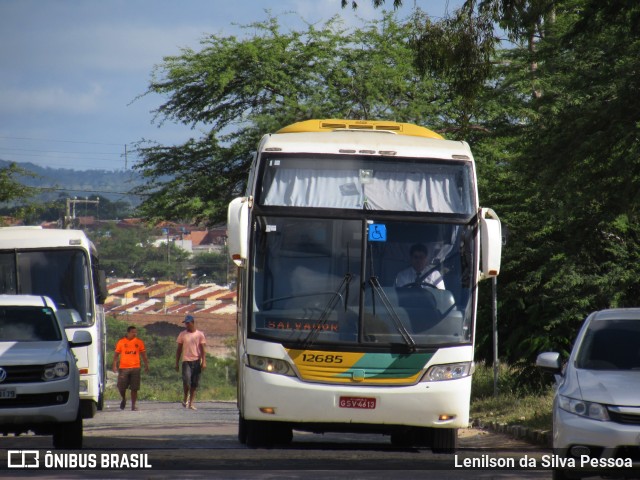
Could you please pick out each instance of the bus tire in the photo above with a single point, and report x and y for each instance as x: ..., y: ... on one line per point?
x: 68, y: 435
x: 444, y: 440
x: 257, y: 434
x: 242, y: 430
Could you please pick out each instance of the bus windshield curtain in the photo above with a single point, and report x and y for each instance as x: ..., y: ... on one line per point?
x: 420, y: 190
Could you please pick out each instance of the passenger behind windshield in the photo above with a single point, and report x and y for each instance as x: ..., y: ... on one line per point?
x: 422, y: 273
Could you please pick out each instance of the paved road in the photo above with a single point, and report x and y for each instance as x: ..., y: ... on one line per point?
x: 179, y: 443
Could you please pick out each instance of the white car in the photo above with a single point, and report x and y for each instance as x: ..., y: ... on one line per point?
x: 39, y: 379
x: 596, y: 409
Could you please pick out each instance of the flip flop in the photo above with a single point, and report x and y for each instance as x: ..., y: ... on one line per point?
x: 191, y: 407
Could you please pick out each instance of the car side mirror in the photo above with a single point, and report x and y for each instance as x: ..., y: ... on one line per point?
x: 81, y: 339
x: 549, y: 362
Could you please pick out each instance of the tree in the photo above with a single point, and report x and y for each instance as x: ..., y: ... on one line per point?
x: 238, y: 90
x: 130, y: 252
x: 11, y: 188
x: 579, y: 240
x: 212, y: 267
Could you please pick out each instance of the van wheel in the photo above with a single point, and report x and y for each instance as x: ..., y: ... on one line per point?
x: 444, y: 440
x: 68, y: 435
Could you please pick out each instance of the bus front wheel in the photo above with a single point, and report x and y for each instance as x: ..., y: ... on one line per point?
x: 267, y: 434
x: 242, y: 430
x: 444, y: 440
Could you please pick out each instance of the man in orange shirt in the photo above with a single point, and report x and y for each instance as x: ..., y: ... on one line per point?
x: 129, y: 349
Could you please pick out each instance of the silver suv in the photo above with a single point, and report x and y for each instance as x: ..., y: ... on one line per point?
x: 38, y: 374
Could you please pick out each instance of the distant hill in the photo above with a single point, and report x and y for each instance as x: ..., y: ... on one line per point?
x: 114, y: 185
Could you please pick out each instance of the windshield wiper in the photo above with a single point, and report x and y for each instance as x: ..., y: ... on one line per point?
x: 331, y: 305
x: 404, y: 333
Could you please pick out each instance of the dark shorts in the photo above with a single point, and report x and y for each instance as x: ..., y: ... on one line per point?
x: 129, y: 378
x: 191, y: 373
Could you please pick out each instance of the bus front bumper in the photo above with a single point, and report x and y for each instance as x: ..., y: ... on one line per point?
x: 272, y: 397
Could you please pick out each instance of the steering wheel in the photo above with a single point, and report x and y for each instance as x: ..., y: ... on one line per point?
x: 414, y: 285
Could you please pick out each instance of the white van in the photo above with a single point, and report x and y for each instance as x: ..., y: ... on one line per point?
x: 38, y: 373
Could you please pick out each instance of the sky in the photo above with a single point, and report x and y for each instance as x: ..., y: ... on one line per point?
x: 72, y: 72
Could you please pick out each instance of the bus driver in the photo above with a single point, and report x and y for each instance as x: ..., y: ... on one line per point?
x: 421, y: 272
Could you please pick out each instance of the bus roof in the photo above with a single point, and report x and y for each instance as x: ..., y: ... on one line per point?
x: 329, y: 125
x: 308, y: 137
x: 24, y: 238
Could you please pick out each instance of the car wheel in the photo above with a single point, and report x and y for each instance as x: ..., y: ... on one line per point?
x: 562, y: 475
x: 68, y: 435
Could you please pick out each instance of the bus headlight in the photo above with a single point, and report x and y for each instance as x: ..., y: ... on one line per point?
x: 271, y: 365
x: 55, y: 371
x: 450, y: 371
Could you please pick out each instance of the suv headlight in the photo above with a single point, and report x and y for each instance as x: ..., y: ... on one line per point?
x: 450, y: 371
x: 593, y: 410
x: 271, y: 365
x: 55, y: 371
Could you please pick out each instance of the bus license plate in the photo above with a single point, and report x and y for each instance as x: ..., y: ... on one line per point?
x: 357, y: 402
x: 6, y: 393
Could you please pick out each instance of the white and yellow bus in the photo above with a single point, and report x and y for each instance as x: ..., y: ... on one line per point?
x: 328, y: 340
x: 62, y: 265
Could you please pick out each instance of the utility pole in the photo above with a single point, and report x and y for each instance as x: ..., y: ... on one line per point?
x: 70, y: 214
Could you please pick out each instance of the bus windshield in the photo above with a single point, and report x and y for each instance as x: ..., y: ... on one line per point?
x: 362, y: 282
x: 368, y: 183
x: 61, y: 274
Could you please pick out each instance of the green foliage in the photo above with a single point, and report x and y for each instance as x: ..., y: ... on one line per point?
x: 129, y: 252
x: 212, y: 267
x: 575, y: 226
x: 514, y: 403
x: 11, y: 186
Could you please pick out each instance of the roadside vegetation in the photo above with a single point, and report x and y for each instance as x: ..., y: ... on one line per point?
x: 514, y: 405
x: 163, y: 383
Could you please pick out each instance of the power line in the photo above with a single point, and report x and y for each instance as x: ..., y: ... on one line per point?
x: 59, y: 151
x: 59, y: 141
x: 47, y: 189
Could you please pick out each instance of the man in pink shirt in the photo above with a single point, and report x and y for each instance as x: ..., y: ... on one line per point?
x: 191, y: 347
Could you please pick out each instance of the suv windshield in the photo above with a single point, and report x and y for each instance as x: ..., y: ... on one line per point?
x: 611, y: 345
x: 28, y: 324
